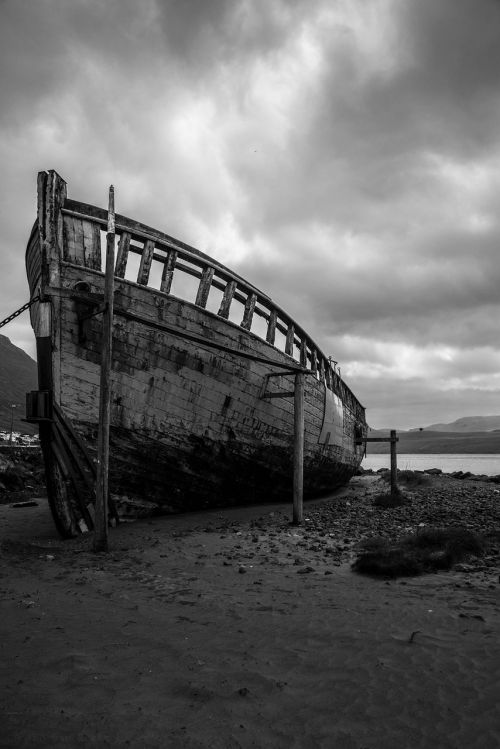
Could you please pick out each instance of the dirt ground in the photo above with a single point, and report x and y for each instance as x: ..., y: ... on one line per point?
x: 234, y: 630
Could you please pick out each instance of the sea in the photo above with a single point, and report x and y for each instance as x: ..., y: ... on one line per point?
x: 475, y: 463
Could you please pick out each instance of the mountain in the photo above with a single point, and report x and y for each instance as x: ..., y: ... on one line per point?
x: 466, y: 424
x: 18, y: 374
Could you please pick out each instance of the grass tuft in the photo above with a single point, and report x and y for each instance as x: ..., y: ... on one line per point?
x: 429, y: 550
x: 409, y: 478
x: 390, y: 499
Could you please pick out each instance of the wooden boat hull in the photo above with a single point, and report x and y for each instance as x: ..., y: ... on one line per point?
x: 193, y: 419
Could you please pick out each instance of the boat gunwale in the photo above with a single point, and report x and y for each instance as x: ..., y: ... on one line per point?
x: 143, y: 232
x: 292, y: 364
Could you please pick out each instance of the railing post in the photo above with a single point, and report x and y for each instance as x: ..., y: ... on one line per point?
x: 298, y: 452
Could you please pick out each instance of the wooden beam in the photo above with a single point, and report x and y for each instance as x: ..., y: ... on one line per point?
x: 101, y: 513
x: 122, y: 256
x: 314, y: 361
x: 377, y: 439
x: 92, y: 243
x: 322, y: 375
x: 394, y: 463
x: 303, y: 352
x: 298, y: 450
x: 290, y: 337
x: 271, y: 328
x: 168, y: 272
x: 204, y: 287
x: 225, y: 304
x: 146, y: 260
x: 246, y: 323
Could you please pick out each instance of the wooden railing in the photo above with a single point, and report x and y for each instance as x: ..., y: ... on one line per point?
x: 165, y: 264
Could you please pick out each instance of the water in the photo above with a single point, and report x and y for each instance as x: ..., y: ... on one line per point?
x: 478, y: 464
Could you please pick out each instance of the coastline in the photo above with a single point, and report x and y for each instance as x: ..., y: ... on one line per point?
x: 236, y: 629
x: 476, y: 464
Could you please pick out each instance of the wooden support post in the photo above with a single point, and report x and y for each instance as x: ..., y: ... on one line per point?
x: 394, y: 463
x: 168, y: 272
x: 227, y: 299
x: 290, y: 338
x: 101, y: 510
x: 298, y: 452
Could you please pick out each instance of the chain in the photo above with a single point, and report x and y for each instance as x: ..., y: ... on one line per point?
x: 19, y: 311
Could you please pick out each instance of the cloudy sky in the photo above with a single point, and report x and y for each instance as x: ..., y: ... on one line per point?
x: 344, y: 156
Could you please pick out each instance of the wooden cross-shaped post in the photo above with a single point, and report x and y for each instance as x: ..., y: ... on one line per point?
x: 393, y: 439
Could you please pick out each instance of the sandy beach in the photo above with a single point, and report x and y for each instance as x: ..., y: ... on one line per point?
x: 235, y: 629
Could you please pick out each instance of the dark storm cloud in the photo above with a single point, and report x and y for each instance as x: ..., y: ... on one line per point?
x: 343, y: 156
x: 364, y: 142
x: 203, y: 34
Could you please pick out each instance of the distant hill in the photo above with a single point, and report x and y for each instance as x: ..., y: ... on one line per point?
x: 466, y: 424
x: 18, y: 374
x: 438, y: 442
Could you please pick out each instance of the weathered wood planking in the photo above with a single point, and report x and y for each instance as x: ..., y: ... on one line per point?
x: 271, y: 328
x: 82, y: 242
x: 140, y: 232
x: 146, y: 260
x: 290, y: 338
x: 139, y: 354
x: 294, y: 335
x: 122, y: 255
x: 168, y: 272
x: 204, y: 287
x: 248, y: 313
x: 227, y: 298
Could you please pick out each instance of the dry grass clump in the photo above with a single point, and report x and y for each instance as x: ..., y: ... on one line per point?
x: 390, y: 499
x: 409, y: 478
x: 428, y: 550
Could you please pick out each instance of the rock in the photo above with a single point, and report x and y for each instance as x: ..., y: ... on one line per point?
x: 305, y: 570
x: 12, y: 475
x: 464, y: 568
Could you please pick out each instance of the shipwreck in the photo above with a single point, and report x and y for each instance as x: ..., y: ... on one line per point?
x: 200, y: 362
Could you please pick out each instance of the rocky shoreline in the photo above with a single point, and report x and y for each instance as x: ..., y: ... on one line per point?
x: 236, y: 628
x: 336, y: 527
x: 22, y: 474
x: 495, y: 479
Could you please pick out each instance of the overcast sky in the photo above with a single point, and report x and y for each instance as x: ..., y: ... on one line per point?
x: 342, y: 155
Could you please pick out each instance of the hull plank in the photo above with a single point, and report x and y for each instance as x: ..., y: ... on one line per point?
x: 191, y: 425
